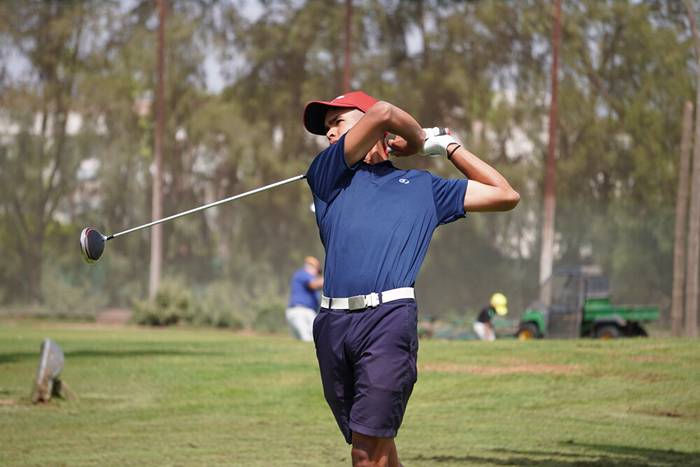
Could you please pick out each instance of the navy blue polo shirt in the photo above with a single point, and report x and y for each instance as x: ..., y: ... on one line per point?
x: 376, y: 221
x: 300, y: 293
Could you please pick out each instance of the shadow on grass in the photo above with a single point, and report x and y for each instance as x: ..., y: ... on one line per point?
x: 597, y: 455
x: 21, y: 356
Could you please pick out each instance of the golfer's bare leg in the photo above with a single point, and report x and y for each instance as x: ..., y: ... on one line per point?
x: 369, y: 451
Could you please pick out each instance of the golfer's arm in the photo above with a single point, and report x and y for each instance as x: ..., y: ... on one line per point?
x: 316, y: 284
x: 381, y: 118
x: 487, y: 189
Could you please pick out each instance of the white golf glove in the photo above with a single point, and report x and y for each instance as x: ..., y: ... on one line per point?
x: 436, y: 141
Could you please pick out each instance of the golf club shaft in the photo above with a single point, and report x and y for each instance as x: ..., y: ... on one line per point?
x: 207, y: 206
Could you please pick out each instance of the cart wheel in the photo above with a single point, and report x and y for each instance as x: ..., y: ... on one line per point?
x: 527, y: 332
x: 607, y: 332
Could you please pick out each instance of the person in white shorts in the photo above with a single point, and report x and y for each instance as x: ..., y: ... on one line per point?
x: 304, y: 299
x: 483, y: 327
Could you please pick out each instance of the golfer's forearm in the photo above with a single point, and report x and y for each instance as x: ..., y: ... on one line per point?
x: 382, y: 118
x: 365, y: 134
x: 476, y: 169
x: 400, y: 122
x: 487, y: 190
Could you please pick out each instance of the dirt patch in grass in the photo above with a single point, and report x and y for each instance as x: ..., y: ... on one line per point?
x: 663, y: 413
x: 668, y: 413
x: 650, y: 377
x: 528, y: 368
x: 114, y: 316
x: 7, y: 402
x: 650, y: 359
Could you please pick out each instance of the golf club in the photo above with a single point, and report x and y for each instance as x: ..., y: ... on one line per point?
x: 92, y: 241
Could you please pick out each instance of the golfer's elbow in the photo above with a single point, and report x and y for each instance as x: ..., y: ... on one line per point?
x: 382, y: 112
x: 504, y: 199
x: 496, y: 197
x: 510, y: 199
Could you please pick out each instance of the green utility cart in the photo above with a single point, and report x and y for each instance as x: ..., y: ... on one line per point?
x: 580, y: 306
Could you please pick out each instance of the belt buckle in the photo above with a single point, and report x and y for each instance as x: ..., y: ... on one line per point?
x: 357, y: 302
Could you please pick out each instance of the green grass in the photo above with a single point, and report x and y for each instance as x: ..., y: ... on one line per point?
x: 195, y: 397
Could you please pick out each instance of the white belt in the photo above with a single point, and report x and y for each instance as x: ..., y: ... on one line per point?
x: 373, y: 299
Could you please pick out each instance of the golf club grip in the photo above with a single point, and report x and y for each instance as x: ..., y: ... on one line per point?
x: 442, y: 131
x: 207, y: 206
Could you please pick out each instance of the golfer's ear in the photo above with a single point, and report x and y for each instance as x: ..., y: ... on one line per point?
x: 366, y: 132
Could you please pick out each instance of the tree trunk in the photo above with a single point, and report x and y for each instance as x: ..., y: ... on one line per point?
x: 547, y: 253
x: 347, y: 71
x: 691, y: 307
x: 35, y: 258
x: 157, y: 206
x: 677, y: 298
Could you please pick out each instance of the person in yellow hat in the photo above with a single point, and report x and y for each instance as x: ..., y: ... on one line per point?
x: 483, y: 327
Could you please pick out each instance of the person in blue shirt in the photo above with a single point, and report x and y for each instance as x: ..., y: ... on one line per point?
x: 375, y: 222
x: 304, y: 299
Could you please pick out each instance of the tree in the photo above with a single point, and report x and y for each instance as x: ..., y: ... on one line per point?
x: 157, y: 209
x: 547, y: 253
x: 679, y: 256
x: 39, y: 166
x: 691, y: 308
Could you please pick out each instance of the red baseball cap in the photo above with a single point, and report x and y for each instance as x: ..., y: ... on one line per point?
x: 315, y: 111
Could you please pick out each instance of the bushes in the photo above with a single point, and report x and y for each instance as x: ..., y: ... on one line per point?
x: 217, y: 308
x: 216, y: 305
x: 269, y: 317
x: 67, y: 297
x: 172, y: 304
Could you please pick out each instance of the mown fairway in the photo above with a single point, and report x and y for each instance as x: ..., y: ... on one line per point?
x: 191, y: 397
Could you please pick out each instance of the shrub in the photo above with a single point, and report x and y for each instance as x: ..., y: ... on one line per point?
x: 269, y: 317
x: 172, y: 304
x: 219, y: 304
x: 218, y: 308
x: 65, y: 300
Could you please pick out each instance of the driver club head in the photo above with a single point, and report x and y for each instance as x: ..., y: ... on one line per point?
x: 92, y: 244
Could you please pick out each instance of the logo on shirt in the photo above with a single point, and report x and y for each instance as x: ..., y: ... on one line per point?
x: 404, y: 181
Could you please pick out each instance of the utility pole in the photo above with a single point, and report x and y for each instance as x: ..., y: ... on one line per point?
x: 679, y: 239
x: 348, y: 46
x: 549, y: 205
x: 157, y: 202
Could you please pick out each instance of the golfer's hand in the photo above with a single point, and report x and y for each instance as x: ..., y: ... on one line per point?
x: 398, y: 146
x: 436, y: 142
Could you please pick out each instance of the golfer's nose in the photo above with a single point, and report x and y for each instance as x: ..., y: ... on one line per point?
x: 331, y: 133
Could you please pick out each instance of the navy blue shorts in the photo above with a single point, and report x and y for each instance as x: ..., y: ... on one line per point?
x: 368, y: 365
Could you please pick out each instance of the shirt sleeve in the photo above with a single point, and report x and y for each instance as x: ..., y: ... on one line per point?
x: 449, y: 198
x: 328, y: 171
x: 306, y: 279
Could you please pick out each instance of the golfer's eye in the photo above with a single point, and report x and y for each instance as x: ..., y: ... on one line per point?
x: 334, y: 123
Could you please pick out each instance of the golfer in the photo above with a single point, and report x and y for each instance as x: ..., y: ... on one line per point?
x: 303, y: 299
x: 375, y: 222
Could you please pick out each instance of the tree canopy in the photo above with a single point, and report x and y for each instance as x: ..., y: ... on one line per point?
x: 76, y: 138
